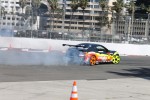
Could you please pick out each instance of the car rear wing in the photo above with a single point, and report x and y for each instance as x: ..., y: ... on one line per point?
x: 82, y: 48
x: 71, y: 45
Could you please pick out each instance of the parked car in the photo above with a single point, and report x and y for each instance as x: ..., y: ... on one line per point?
x: 90, y: 54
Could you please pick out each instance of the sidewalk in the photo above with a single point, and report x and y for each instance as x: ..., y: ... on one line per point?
x: 112, y: 89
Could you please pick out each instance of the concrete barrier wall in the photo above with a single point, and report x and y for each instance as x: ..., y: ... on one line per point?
x: 49, y: 44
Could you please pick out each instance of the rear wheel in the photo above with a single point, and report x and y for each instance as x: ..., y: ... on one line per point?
x: 116, y: 59
x: 92, y: 60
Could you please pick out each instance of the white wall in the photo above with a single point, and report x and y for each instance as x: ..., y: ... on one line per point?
x: 46, y: 44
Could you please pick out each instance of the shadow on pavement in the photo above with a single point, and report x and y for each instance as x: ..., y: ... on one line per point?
x: 138, y: 72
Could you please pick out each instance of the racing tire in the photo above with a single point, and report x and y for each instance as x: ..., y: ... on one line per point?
x: 116, y: 59
x: 92, y: 60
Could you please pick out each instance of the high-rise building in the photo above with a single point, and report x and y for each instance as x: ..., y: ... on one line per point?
x: 14, y: 18
x: 75, y: 24
x: 9, y: 19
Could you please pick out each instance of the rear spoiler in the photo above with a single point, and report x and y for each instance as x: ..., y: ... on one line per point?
x: 71, y: 45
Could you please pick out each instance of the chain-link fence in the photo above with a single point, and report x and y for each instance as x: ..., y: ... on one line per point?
x: 119, y: 32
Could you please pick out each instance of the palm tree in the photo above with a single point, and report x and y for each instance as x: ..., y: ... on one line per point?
x: 103, y: 19
x: 74, y: 6
x: 103, y: 4
x: 2, y: 13
x: 117, y: 7
x: 83, y: 4
x: 130, y: 7
x: 22, y: 4
x: 148, y: 11
x: 58, y: 15
x: 131, y: 10
x: 35, y: 6
x: 53, y: 4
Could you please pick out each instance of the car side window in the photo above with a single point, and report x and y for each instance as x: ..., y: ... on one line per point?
x: 101, y: 49
x: 92, y: 49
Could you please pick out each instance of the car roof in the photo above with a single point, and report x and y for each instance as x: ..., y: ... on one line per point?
x: 93, y: 44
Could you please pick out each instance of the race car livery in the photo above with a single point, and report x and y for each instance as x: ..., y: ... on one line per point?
x: 91, y: 54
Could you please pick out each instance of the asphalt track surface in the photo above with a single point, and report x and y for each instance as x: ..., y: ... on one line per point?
x: 16, y: 66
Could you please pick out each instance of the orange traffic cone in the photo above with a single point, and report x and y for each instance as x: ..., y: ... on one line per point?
x: 74, y: 94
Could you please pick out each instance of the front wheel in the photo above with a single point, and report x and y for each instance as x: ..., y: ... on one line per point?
x: 116, y: 59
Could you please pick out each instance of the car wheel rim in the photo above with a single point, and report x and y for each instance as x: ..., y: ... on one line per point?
x: 93, y: 60
x: 116, y: 59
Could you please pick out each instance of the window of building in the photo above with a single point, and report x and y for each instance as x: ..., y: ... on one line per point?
x: 96, y: 6
x: 13, y: 18
x: 8, y: 23
x: 91, y: 0
x: 17, y: 24
x: 4, y: 23
x: 6, y: 1
x: 13, y: 24
x: 12, y: 2
x: 91, y: 6
x: 4, y: 18
x: 8, y: 18
x: 96, y: 0
x: 17, y: 18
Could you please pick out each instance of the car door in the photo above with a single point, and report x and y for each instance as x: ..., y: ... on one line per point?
x: 103, y: 54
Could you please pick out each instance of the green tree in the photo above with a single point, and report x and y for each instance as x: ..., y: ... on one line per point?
x: 148, y: 9
x: 53, y: 4
x: 83, y: 4
x: 2, y: 13
x: 103, y: 18
x: 74, y: 6
x: 35, y: 6
x: 131, y: 10
x: 130, y: 7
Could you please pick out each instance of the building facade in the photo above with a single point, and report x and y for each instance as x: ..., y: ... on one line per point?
x: 15, y: 19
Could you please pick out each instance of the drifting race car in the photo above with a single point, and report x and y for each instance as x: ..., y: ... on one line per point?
x: 90, y: 54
